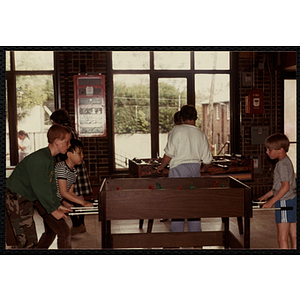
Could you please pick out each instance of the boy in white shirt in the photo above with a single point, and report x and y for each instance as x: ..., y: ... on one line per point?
x: 186, y: 148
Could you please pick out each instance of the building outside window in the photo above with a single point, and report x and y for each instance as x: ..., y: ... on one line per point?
x: 30, y: 98
x: 149, y: 87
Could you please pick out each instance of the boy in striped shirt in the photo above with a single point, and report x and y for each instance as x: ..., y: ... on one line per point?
x: 66, y: 175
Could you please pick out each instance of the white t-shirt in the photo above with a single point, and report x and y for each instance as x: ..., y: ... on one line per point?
x: 187, y: 144
x: 25, y: 143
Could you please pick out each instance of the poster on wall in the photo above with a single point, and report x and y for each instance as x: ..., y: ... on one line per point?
x: 90, y: 105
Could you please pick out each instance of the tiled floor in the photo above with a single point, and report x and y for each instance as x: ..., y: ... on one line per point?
x: 263, y: 232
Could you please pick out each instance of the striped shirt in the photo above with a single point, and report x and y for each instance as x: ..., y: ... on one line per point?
x: 62, y: 171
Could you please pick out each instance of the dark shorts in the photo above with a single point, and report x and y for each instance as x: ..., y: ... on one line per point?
x: 286, y: 216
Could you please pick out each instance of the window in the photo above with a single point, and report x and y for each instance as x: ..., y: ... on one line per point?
x: 172, y: 95
x: 172, y: 60
x: 228, y: 112
x: 149, y: 87
x: 208, y: 60
x: 126, y: 60
x: 30, y: 99
x: 131, y: 117
x: 218, y: 111
x: 7, y: 58
x: 33, y: 60
x: 212, y: 93
x: 290, y: 118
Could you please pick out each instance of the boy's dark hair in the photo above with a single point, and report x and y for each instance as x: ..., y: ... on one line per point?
x: 60, y: 116
x: 57, y: 132
x: 277, y: 141
x: 177, y: 118
x: 75, y: 144
x: 188, y: 112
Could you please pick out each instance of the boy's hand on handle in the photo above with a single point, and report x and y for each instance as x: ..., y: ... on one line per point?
x: 265, y: 197
x: 64, y: 209
x: 268, y: 204
x: 67, y: 204
x: 59, y: 214
x: 88, y: 204
x: 159, y: 169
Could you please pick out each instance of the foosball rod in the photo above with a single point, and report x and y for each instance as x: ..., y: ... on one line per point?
x: 257, y: 208
x: 258, y: 202
x: 272, y: 208
x: 83, y: 213
x: 85, y: 207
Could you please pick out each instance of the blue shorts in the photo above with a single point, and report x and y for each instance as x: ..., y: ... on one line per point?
x: 286, y: 216
x: 185, y: 170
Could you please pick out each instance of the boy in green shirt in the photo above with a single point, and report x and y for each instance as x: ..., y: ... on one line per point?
x: 33, y: 181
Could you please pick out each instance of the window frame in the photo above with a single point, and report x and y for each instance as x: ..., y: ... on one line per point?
x: 11, y: 76
x: 154, y: 105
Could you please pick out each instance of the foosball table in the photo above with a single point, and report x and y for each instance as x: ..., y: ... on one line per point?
x: 173, y: 198
x: 234, y: 165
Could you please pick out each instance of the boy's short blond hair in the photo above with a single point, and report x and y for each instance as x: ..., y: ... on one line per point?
x: 277, y: 141
x: 57, y: 132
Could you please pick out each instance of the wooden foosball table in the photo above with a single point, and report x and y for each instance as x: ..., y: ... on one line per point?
x: 234, y: 165
x: 173, y: 198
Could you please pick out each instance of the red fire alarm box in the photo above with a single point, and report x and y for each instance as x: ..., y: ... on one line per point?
x: 90, y: 105
x: 255, y: 102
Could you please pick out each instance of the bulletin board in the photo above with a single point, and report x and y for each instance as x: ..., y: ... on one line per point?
x: 90, y: 105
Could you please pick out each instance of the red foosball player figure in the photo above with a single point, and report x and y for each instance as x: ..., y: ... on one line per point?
x: 150, y: 187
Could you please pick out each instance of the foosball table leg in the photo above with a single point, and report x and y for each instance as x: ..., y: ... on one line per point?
x: 141, y: 223
x: 240, y: 224
x: 226, y: 232
x: 150, y: 225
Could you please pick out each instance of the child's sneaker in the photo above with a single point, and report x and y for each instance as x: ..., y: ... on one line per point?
x: 79, y: 229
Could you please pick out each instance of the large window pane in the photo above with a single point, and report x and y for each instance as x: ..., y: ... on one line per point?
x: 172, y: 95
x: 131, y: 118
x: 34, y: 60
x: 212, y: 104
x: 208, y: 60
x: 172, y: 60
x: 35, y: 103
x: 290, y: 118
x: 7, y: 58
x: 130, y: 60
x: 33, y: 95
